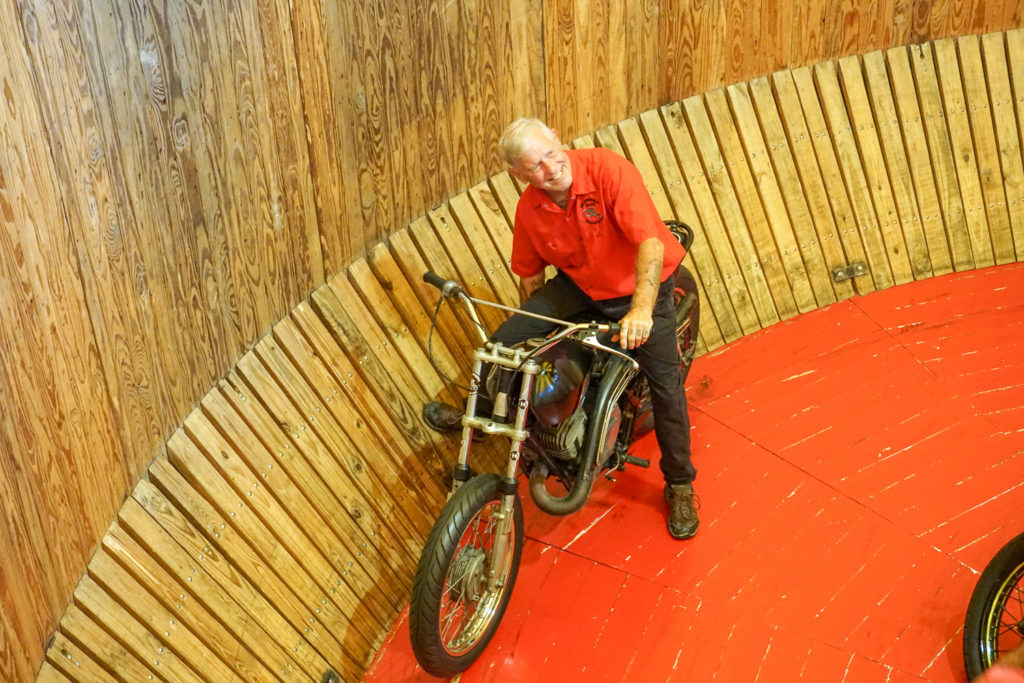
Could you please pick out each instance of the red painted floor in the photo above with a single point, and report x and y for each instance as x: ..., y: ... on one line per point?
x: 858, y: 466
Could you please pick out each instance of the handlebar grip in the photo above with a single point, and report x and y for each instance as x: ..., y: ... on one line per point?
x: 614, y: 328
x: 432, y: 278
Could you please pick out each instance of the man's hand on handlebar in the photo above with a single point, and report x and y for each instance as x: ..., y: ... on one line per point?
x: 635, y: 329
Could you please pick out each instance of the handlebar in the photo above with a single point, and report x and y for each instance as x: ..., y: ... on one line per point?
x: 452, y: 289
x: 449, y: 288
x: 432, y: 278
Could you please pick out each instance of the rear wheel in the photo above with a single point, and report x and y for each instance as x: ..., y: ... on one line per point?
x: 995, y: 614
x: 453, y: 614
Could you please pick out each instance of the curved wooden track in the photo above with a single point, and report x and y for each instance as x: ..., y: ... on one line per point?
x: 277, y: 535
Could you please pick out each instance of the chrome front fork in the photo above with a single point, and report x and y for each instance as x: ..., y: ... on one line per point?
x: 515, y: 360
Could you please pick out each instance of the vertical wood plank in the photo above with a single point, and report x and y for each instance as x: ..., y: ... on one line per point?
x: 525, y: 58
x: 980, y: 114
x: 742, y: 306
x: 141, y: 641
x: 894, y: 205
x: 955, y: 110
x: 940, y: 148
x: 698, y: 257
x: 560, y: 65
x: 912, y: 160
x: 288, y: 552
x: 212, y: 548
x: 714, y: 296
x: 392, y: 312
x: 1008, y: 141
x: 839, y: 132
x: 784, y: 274
x: 793, y: 197
x: 86, y: 634
x: 480, y: 245
x: 1015, y: 59
x: 636, y: 149
x: 75, y: 662
x: 171, y: 629
x: 192, y: 586
x: 714, y: 164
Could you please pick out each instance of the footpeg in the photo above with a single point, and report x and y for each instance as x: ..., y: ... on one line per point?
x: 633, y: 460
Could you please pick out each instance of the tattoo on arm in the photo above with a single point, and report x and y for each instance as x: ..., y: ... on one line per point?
x: 648, y: 272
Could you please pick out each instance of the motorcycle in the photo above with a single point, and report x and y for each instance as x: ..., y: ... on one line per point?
x: 995, y: 614
x: 571, y: 405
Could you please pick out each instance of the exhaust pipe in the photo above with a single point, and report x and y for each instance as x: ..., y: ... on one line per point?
x: 613, y: 383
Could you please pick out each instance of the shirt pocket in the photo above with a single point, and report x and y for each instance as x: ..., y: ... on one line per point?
x: 563, y: 251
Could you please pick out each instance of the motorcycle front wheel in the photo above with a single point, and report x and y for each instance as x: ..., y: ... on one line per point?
x: 452, y: 614
x: 995, y: 614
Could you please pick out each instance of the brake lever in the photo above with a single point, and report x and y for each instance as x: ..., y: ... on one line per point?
x: 589, y: 338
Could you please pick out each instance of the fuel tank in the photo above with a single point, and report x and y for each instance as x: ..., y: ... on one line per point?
x: 559, y: 387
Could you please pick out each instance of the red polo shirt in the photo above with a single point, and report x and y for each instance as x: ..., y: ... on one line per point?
x: 595, y: 239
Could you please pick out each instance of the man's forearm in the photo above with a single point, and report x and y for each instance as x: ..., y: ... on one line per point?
x: 648, y: 274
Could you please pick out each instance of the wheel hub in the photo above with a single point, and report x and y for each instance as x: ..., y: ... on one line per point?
x: 469, y: 577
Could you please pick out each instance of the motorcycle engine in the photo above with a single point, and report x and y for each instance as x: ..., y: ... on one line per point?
x: 556, y: 399
x: 564, y: 440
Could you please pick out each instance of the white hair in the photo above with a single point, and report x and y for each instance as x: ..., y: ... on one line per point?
x: 517, y: 136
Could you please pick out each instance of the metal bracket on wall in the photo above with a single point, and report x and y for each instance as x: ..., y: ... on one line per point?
x: 848, y: 272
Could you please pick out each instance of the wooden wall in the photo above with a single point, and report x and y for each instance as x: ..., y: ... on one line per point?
x: 176, y: 177
x: 278, y: 535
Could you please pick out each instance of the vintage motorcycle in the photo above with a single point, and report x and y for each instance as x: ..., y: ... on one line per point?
x: 571, y: 405
x: 995, y: 613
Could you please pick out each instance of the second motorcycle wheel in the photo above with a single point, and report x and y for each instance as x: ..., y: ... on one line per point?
x: 453, y: 614
x: 995, y: 614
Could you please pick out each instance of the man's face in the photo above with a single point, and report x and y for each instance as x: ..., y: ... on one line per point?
x: 545, y: 165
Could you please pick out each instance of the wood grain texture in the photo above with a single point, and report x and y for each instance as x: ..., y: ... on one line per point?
x: 997, y: 76
x: 177, y: 178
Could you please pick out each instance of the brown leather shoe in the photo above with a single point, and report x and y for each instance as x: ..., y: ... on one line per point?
x: 683, y: 504
x: 442, y: 417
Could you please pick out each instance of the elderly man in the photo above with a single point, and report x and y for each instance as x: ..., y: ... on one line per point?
x: 587, y: 213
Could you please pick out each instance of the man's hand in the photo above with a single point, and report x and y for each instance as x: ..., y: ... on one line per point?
x: 635, y: 329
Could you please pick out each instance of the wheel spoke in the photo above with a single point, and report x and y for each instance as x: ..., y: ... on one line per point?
x: 1008, y: 631
x: 452, y: 612
x: 460, y: 607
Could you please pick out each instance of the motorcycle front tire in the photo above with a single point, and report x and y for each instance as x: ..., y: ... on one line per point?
x: 452, y: 616
x: 995, y: 613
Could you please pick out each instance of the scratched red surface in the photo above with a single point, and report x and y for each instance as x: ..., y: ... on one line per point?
x: 859, y: 465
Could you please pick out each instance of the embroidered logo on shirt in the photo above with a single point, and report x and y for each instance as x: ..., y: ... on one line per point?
x: 590, y: 208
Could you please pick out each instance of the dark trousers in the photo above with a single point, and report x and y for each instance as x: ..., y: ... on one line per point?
x: 560, y: 298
